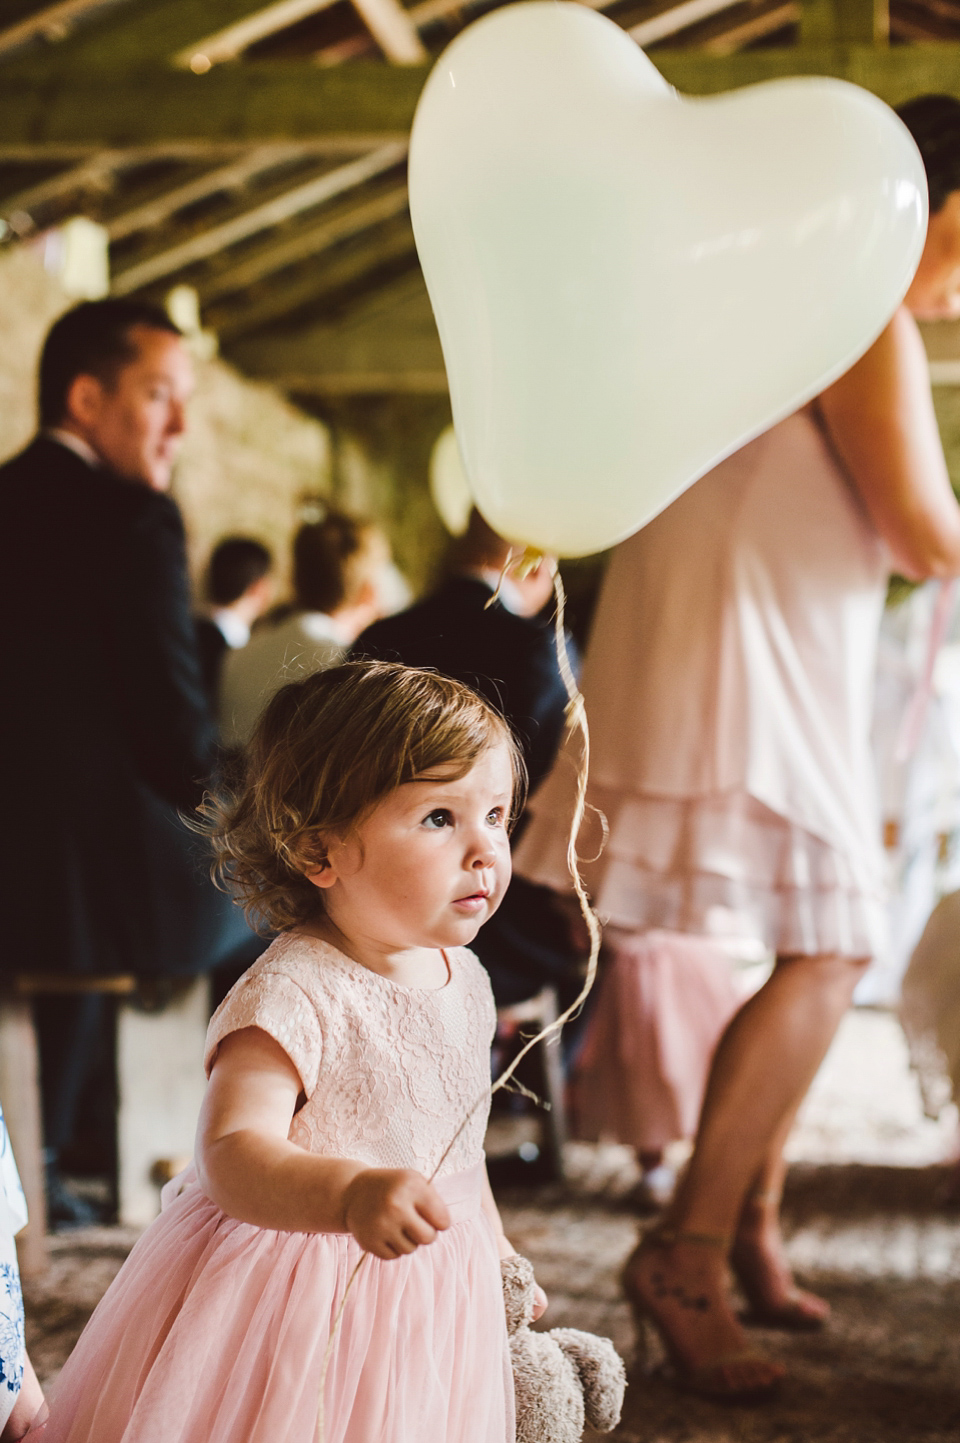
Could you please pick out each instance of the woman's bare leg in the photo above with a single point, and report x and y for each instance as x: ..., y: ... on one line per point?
x: 757, y: 1255
x: 762, y: 1069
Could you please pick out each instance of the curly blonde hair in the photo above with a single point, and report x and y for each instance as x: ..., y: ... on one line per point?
x: 325, y: 752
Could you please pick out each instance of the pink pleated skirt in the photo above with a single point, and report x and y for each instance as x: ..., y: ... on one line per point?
x: 214, y: 1331
x: 721, y: 865
x: 662, y: 1002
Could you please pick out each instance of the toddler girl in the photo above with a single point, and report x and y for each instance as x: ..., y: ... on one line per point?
x: 372, y: 833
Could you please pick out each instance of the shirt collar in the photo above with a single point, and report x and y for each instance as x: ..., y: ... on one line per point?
x: 233, y: 628
x: 76, y: 444
x: 319, y: 626
x: 503, y: 588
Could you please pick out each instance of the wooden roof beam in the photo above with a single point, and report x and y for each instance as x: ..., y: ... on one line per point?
x: 677, y: 18
x: 233, y: 40
x: 241, y: 104
x: 371, y: 103
x: 393, y: 30
x: 767, y: 22
x: 349, y: 222
x: 270, y: 213
x: 94, y: 173
x: 863, y: 21
x: 324, y: 283
x: 224, y: 177
x: 53, y: 22
x: 363, y: 383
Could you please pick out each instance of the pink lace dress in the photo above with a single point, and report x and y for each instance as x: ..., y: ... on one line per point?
x: 214, y: 1331
x: 729, y: 690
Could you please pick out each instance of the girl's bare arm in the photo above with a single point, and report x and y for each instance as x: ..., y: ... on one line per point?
x: 881, y: 420
x: 249, y: 1168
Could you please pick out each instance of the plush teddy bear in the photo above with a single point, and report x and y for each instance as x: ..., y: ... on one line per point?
x: 563, y: 1378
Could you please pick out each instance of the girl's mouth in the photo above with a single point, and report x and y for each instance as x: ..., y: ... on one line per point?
x: 472, y: 902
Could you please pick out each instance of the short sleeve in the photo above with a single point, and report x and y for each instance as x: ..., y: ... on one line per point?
x: 275, y: 1003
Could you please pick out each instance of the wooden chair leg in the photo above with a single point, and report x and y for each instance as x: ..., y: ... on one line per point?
x: 555, y: 1121
x: 20, y: 1097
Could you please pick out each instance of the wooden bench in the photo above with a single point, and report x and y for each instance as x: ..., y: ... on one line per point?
x: 160, y: 1084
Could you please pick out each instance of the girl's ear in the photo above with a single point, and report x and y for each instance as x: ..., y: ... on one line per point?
x: 322, y: 875
x: 320, y: 869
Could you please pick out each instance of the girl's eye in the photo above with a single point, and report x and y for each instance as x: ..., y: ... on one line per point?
x: 440, y: 818
x: 495, y: 817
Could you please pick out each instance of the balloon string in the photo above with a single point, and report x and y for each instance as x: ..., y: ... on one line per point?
x: 576, y: 722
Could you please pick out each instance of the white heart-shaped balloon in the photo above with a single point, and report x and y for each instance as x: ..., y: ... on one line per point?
x: 449, y: 488
x: 630, y: 284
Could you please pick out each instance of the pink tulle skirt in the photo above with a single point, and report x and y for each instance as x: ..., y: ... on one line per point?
x: 721, y: 865
x: 662, y: 1002
x: 214, y: 1331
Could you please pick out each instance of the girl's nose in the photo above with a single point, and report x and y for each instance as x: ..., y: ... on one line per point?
x: 483, y: 853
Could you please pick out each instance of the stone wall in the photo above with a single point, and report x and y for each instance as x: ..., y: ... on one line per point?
x: 248, y: 458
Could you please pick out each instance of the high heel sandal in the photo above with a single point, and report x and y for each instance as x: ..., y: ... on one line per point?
x: 707, y: 1380
x: 800, y: 1311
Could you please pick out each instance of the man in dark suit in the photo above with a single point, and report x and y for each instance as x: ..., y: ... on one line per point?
x: 107, y: 734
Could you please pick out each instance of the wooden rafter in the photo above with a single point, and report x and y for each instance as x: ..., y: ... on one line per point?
x: 97, y: 172
x: 318, y: 286
x: 260, y: 218
x: 393, y: 30
x: 233, y: 40
x: 766, y: 22
x: 55, y: 153
x: 676, y: 18
x: 390, y: 25
x: 363, y: 383
x: 232, y: 176
x: 53, y: 22
x: 289, y: 251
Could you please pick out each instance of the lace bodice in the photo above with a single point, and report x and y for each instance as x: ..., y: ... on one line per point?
x: 389, y: 1072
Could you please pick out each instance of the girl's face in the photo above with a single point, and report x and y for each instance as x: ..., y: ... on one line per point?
x: 430, y: 863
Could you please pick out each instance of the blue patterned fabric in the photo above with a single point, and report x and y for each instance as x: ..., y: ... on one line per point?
x: 13, y: 1215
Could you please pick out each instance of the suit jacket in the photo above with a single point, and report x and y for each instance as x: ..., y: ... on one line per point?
x: 105, y: 727
x: 511, y: 660
x: 211, y: 649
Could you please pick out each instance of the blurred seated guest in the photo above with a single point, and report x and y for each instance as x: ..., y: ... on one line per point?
x: 107, y: 735
x: 507, y: 652
x: 239, y: 590
x: 662, y: 1002
x: 337, y: 566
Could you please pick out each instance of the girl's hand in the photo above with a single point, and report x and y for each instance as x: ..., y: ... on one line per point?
x: 392, y: 1211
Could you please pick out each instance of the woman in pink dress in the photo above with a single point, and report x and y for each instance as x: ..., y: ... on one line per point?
x: 728, y: 686
x: 345, y: 1115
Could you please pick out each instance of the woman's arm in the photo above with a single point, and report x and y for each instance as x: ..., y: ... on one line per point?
x: 249, y: 1168
x: 881, y: 421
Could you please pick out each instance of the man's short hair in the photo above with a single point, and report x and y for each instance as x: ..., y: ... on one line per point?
x: 235, y: 565
x: 934, y: 123
x: 92, y: 339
